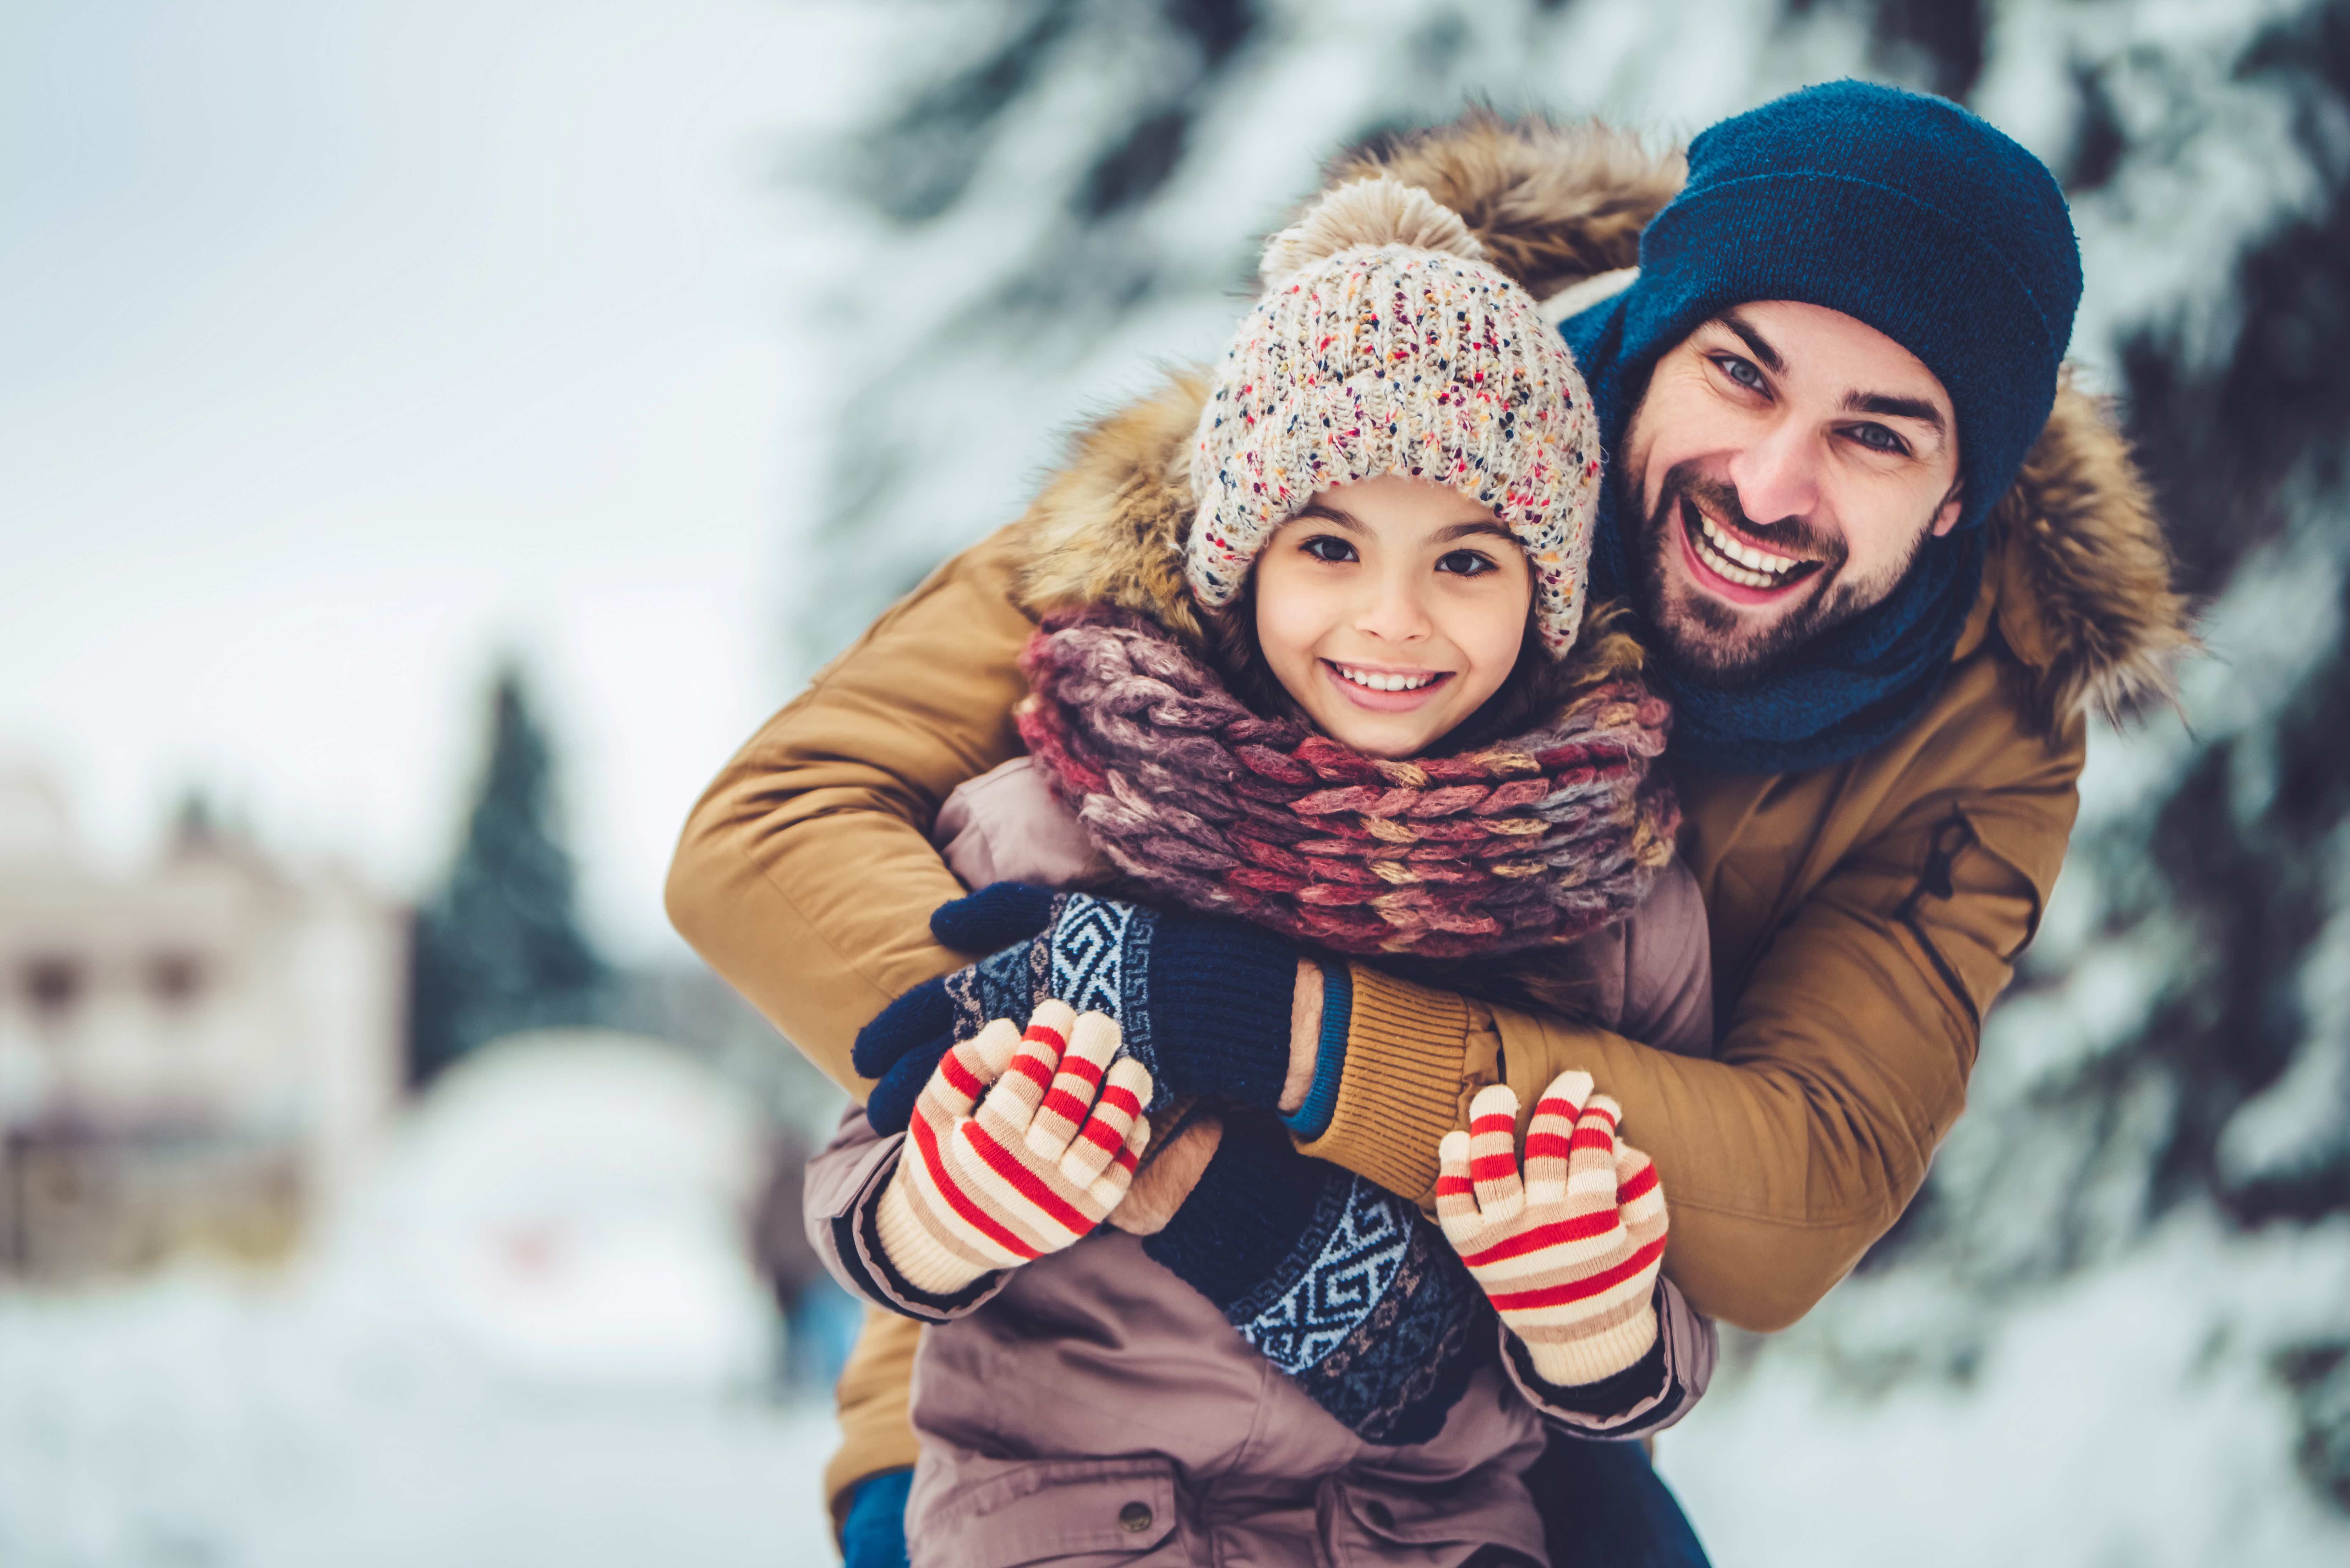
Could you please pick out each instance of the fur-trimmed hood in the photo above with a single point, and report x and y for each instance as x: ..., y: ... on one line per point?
x: 2078, y: 565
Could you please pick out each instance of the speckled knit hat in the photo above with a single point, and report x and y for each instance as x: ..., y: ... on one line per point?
x: 1385, y: 344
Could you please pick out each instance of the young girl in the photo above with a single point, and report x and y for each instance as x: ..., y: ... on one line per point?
x: 1320, y: 672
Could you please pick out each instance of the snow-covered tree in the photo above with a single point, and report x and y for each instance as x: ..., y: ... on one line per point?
x: 498, y: 946
x: 2179, y: 1044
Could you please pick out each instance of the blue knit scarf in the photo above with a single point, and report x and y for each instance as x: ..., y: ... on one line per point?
x: 1851, y: 689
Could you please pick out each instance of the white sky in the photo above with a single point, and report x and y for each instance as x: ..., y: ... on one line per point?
x: 342, y: 346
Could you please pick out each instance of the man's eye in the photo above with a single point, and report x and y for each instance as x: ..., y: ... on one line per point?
x: 1325, y: 548
x: 1466, y: 563
x: 1876, y: 438
x: 1742, y: 371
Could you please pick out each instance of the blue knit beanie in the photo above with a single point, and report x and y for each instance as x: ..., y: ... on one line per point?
x: 1912, y: 216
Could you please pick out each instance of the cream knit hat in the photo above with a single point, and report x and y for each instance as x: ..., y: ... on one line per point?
x: 1385, y: 344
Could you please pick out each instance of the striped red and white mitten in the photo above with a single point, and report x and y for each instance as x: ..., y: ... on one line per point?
x: 1569, y: 1255
x: 1019, y: 1145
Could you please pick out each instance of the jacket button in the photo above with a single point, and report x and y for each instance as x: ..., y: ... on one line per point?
x: 1134, y: 1517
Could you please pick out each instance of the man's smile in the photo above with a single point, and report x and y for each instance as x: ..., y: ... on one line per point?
x: 1733, y: 566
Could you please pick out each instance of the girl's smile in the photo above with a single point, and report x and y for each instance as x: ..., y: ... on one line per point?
x: 1386, y: 690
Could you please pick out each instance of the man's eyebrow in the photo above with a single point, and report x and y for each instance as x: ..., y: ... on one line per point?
x: 1756, y: 344
x: 1895, y: 408
x: 1474, y: 527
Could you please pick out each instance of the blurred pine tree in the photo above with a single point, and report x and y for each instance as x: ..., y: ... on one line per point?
x: 498, y: 946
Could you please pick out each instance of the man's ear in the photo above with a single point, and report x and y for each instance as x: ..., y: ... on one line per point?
x: 1946, y: 516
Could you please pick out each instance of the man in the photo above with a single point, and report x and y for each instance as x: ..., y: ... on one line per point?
x: 1881, y: 562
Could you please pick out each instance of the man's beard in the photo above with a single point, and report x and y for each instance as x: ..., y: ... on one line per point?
x: 1709, y: 642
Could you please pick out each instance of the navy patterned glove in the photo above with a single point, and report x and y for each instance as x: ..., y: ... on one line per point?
x: 1345, y: 1288
x: 1204, y: 1004
x: 903, y: 1044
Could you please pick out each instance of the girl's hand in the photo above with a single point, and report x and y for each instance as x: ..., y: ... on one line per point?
x: 1020, y: 1144
x: 1568, y: 1255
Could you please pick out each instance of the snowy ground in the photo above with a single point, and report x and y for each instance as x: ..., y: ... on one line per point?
x: 198, y: 1424
x: 2129, y: 1416
x: 201, y: 1422
x: 533, y: 1338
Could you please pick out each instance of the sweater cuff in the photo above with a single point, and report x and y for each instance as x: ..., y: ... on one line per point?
x: 1607, y: 1396
x: 1402, y: 1083
x: 1311, y: 1119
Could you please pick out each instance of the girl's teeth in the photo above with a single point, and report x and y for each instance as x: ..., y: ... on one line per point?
x: 1378, y: 682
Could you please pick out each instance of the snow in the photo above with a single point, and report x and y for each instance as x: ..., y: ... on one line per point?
x: 2095, y: 1422
x: 534, y: 1339
x: 200, y: 1421
x: 569, y: 1206
x: 2304, y: 1117
x: 2206, y: 139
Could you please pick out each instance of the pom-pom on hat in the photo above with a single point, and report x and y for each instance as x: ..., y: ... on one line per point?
x: 1384, y: 343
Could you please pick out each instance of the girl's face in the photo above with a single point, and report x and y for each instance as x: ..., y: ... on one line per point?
x: 1390, y: 609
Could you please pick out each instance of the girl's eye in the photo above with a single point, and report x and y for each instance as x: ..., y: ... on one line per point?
x: 1742, y: 371
x: 1328, y: 547
x: 1466, y: 563
x: 1876, y: 438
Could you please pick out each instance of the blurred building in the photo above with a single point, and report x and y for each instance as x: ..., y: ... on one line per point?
x: 192, y: 1057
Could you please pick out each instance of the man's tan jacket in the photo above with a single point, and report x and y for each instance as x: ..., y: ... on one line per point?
x: 1863, y: 916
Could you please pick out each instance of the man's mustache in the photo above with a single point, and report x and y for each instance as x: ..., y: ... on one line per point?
x: 1789, y: 535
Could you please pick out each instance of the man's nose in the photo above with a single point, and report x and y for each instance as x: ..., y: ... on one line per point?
x: 1779, y: 476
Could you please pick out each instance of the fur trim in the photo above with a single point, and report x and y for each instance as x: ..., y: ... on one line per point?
x: 1551, y: 205
x: 2084, y: 591
x: 1110, y: 527
x: 1578, y: 297
x: 1368, y: 212
x: 2078, y: 560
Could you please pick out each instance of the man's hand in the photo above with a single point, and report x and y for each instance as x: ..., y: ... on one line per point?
x: 1021, y: 1144
x: 1164, y: 1183
x: 1569, y: 1255
x: 1205, y: 1004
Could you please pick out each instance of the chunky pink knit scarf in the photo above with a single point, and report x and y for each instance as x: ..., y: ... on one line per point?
x: 1533, y: 840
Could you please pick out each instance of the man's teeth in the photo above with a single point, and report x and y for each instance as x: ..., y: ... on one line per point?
x: 1378, y: 682
x: 1742, y: 563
